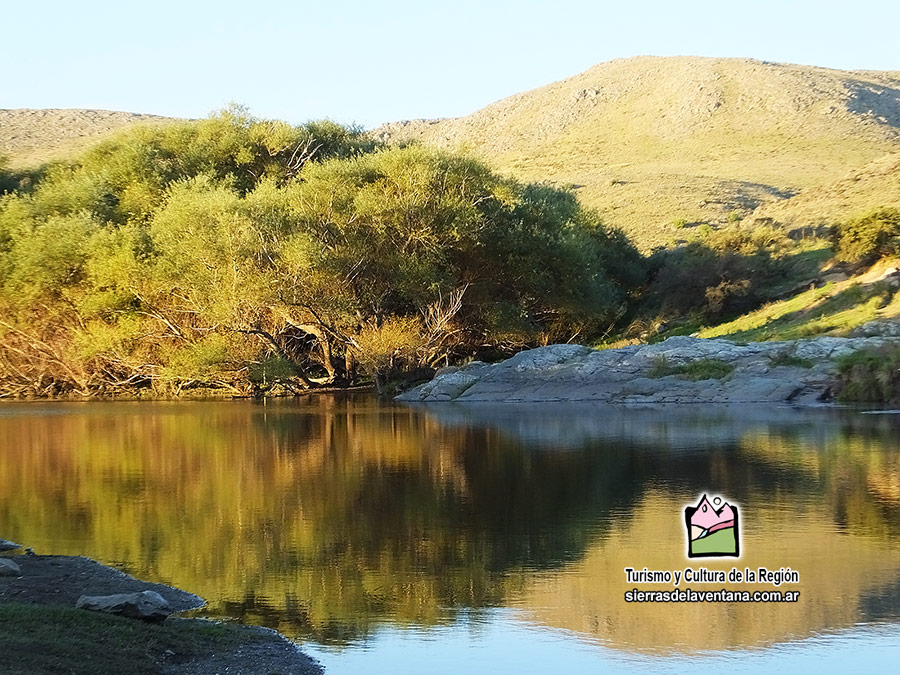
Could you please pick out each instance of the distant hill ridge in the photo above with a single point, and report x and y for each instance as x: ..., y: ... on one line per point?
x: 652, y: 141
x: 678, y: 97
x: 29, y: 136
x: 657, y: 144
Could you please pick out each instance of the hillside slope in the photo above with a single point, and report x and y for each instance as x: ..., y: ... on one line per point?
x: 30, y: 136
x: 875, y: 185
x: 651, y: 141
x: 835, y: 304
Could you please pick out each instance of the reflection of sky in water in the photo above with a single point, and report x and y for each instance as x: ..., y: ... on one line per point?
x: 503, y: 643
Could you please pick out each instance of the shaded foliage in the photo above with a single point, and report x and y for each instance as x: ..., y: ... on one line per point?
x: 870, y: 375
x: 870, y: 236
x: 725, y: 273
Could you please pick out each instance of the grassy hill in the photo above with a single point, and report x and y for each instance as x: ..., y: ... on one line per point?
x: 836, y: 304
x: 875, y: 185
x: 658, y: 144
x: 29, y: 137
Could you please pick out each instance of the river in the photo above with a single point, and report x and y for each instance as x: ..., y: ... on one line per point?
x: 451, y: 538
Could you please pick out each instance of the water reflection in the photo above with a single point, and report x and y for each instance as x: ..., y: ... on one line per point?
x: 329, y: 517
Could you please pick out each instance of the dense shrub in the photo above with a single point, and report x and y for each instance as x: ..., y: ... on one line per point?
x: 870, y: 376
x: 724, y: 273
x: 249, y: 256
x: 870, y: 236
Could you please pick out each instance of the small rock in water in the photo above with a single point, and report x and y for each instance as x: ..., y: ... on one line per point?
x: 9, y: 545
x: 146, y: 605
x: 9, y: 568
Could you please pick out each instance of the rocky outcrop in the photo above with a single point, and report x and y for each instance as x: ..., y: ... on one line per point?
x: 146, y: 605
x: 9, y: 545
x: 879, y: 328
x: 801, y: 371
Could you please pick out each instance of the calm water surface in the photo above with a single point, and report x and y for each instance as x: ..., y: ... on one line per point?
x: 391, y: 539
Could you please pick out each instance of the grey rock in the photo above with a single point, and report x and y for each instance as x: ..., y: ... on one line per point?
x: 546, y: 357
x: 623, y: 376
x: 447, y: 385
x: 879, y: 327
x: 9, y: 545
x: 9, y: 568
x: 146, y: 605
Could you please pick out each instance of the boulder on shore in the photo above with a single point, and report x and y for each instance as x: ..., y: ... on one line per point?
x: 9, y: 545
x: 797, y: 371
x: 146, y: 605
x: 9, y: 568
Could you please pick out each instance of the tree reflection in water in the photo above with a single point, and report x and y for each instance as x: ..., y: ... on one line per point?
x: 328, y: 516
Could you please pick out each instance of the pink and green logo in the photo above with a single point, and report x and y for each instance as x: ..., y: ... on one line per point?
x: 712, y: 530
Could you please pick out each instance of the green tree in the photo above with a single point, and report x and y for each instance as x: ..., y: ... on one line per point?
x: 869, y: 236
x: 253, y: 256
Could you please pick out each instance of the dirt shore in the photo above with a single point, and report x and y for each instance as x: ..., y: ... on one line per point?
x: 58, y: 581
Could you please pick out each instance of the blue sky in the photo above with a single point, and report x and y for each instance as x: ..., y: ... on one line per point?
x: 373, y: 62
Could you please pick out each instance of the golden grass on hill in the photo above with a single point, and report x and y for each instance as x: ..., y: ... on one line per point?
x: 30, y: 137
x: 658, y: 143
x: 875, y: 185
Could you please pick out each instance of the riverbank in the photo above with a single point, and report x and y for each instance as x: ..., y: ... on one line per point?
x: 42, y: 632
x: 678, y: 370
x: 130, y: 396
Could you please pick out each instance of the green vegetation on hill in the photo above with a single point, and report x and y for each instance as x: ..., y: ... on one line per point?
x: 833, y: 309
x: 870, y: 236
x: 252, y: 256
x: 871, y: 375
x: 839, y: 303
x: 726, y: 272
x: 755, y: 284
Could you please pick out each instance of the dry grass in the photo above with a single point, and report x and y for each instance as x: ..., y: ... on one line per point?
x: 653, y: 141
x: 875, y: 185
x: 30, y: 137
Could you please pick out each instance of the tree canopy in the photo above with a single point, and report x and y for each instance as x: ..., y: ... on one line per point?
x: 254, y: 256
